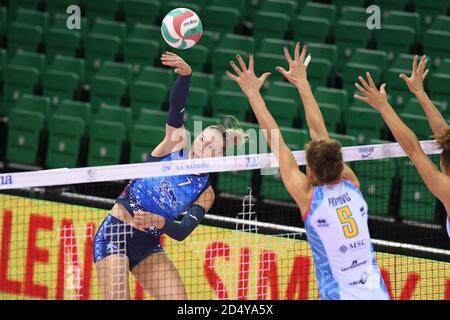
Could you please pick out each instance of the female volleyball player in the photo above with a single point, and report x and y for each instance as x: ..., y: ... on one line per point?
x: 438, y: 182
x: 333, y: 208
x: 129, y: 238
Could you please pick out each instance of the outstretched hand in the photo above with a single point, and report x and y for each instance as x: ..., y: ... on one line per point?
x: 172, y: 60
x: 297, y: 66
x: 415, y: 81
x: 249, y: 83
x: 377, y: 99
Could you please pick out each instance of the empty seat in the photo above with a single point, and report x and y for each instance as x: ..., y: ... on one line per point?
x: 394, y: 39
x: 143, y: 11
x: 35, y: 104
x: 319, y: 72
x: 350, y: 35
x: 439, y: 84
x: 320, y: 10
x: 109, y: 85
x: 105, y: 143
x: 197, y: 101
x: 345, y: 140
x: 64, y: 141
x: 284, y: 110
x: 229, y: 18
x: 364, y: 123
x: 65, y: 42
x: 153, y: 118
x: 430, y: 9
x: 143, y: 139
x: 198, y: 57
x: 202, y: 81
x: 24, y: 37
x: 324, y: 51
x: 418, y: 124
x: 114, y: 114
x: 405, y: 19
x: 397, y: 88
x: 97, y: 9
x: 331, y: 96
x: 309, y: 29
x: 276, y: 6
x: 59, y: 6
x: 355, y: 14
x: 24, y: 135
x: 388, y: 5
x: 413, y: 106
x: 230, y: 103
x: 269, y: 25
x: 75, y: 109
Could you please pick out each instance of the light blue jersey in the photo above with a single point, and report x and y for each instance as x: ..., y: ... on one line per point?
x: 448, y: 227
x: 337, y: 230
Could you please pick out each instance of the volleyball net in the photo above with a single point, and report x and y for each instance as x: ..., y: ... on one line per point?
x: 250, y: 246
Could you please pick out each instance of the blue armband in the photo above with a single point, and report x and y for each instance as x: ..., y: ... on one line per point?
x: 177, y: 101
x: 180, y: 231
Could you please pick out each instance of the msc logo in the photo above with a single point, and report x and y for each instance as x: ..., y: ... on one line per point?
x: 4, y: 180
x: 366, y: 152
x: 353, y: 246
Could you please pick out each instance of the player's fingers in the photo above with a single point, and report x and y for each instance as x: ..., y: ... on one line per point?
x: 297, y: 51
x: 282, y: 71
x: 425, y: 74
x: 287, y: 55
x: 251, y: 62
x: 235, y: 67
x: 364, y: 83
x: 231, y: 76
x: 361, y: 89
x: 241, y: 63
x: 303, y: 55
x: 264, y: 76
x: 403, y: 76
x: 414, y: 66
x: 361, y: 98
x: 423, y: 63
x: 170, y: 53
x: 371, y: 82
x: 383, y: 88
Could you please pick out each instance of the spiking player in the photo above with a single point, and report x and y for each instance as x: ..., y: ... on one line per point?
x: 438, y: 182
x: 148, y: 206
x: 333, y: 208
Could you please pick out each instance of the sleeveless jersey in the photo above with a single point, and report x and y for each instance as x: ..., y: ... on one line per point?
x: 338, y: 233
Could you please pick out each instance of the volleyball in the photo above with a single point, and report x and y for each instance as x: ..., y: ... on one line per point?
x: 181, y: 28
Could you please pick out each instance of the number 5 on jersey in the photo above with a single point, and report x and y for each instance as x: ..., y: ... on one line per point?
x: 348, y: 223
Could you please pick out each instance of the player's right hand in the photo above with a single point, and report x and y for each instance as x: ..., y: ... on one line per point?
x: 418, y: 74
x: 297, y: 66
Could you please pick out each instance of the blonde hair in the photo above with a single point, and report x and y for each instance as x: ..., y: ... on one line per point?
x: 233, y: 134
x: 444, y: 141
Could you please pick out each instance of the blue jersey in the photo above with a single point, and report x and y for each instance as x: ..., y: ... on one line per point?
x: 448, y: 227
x: 167, y: 196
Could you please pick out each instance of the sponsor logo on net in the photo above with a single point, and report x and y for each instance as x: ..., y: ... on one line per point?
x: 251, y: 161
x: 6, y: 180
x: 366, y: 152
x: 352, y: 246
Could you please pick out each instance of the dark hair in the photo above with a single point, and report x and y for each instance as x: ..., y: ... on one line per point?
x: 444, y: 141
x: 324, y: 157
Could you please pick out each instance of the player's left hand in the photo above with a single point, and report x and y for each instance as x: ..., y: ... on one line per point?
x: 249, y: 83
x: 144, y: 219
x: 418, y: 74
x: 370, y: 94
x: 170, y: 59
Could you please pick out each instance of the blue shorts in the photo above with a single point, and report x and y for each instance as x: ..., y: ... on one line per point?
x: 116, y: 237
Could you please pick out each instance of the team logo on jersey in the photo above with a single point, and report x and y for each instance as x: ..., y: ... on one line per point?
x: 354, y: 264
x: 352, y: 246
x: 322, y: 223
x: 166, y: 189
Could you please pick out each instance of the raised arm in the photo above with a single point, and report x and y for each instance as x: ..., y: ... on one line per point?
x: 295, y: 181
x: 297, y: 75
x: 437, y: 182
x: 175, y: 137
x: 415, y: 85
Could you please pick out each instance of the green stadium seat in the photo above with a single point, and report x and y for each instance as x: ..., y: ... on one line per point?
x: 3, y: 62
x: 282, y: 90
x: 234, y: 4
x: 142, y: 11
x: 275, y: 46
x: 105, y: 143
x: 417, y: 203
x: 35, y: 104
x: 342, y: 4
x: 396, y: 86
x: 376, y: 178
x: 345, y: 140
x: 284, y: 110
x: 197, y: 101
x: 153, y: 118
x: 99, y: 48
x: 63, y: 79
x: 418, y: 124
x: 229, y: 18
x: 394, y: 39
x: 110, y: 84
x: 319, y: 72
x: 439, y: 84
x: 413, y: 106
x: 430, y: 8
x: 355, y: 14
x: 209, y: 39
x: 230, y: 103
x: 3, y: 21
x: 21, y: 75
x: 279, y: 6
x: 363, y: 60
x: 32, y: 18
x: 364, y: 124
x: 59, y: 6
x: 114, y: 114
x: 198, y: 57
x: 338, y: 97
x: 320, y: 10
x: 267, y: 62
x: 24, y: 135
x: 269, y: 25
x: 295, y: 137
x: 202, y: 81
x: 64, y: 141
x: 143, y: 139
x: 15, y: 6
x: 309, y: 29
x: 229, y: 47
x: 437, y: 45
x: 324, y: 51
x: 64, y: 42
x: 110, y: 28
x: 349, y: 36
x: 97, y: 9
x: 24, y: 37
x: 405, y: 19
x: 150, y: 79
x: 60, y: 23
x: 75, y: 109
x: 228, y: 84
x: 387, y: 5
x: 168, y: 6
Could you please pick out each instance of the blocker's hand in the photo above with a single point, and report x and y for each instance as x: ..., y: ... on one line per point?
x: 170, y: 59
x: 297, y: 66
x: 144, y: 219
x: 377, y: 99
x: 415, y: 81
x: 249, y: 83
